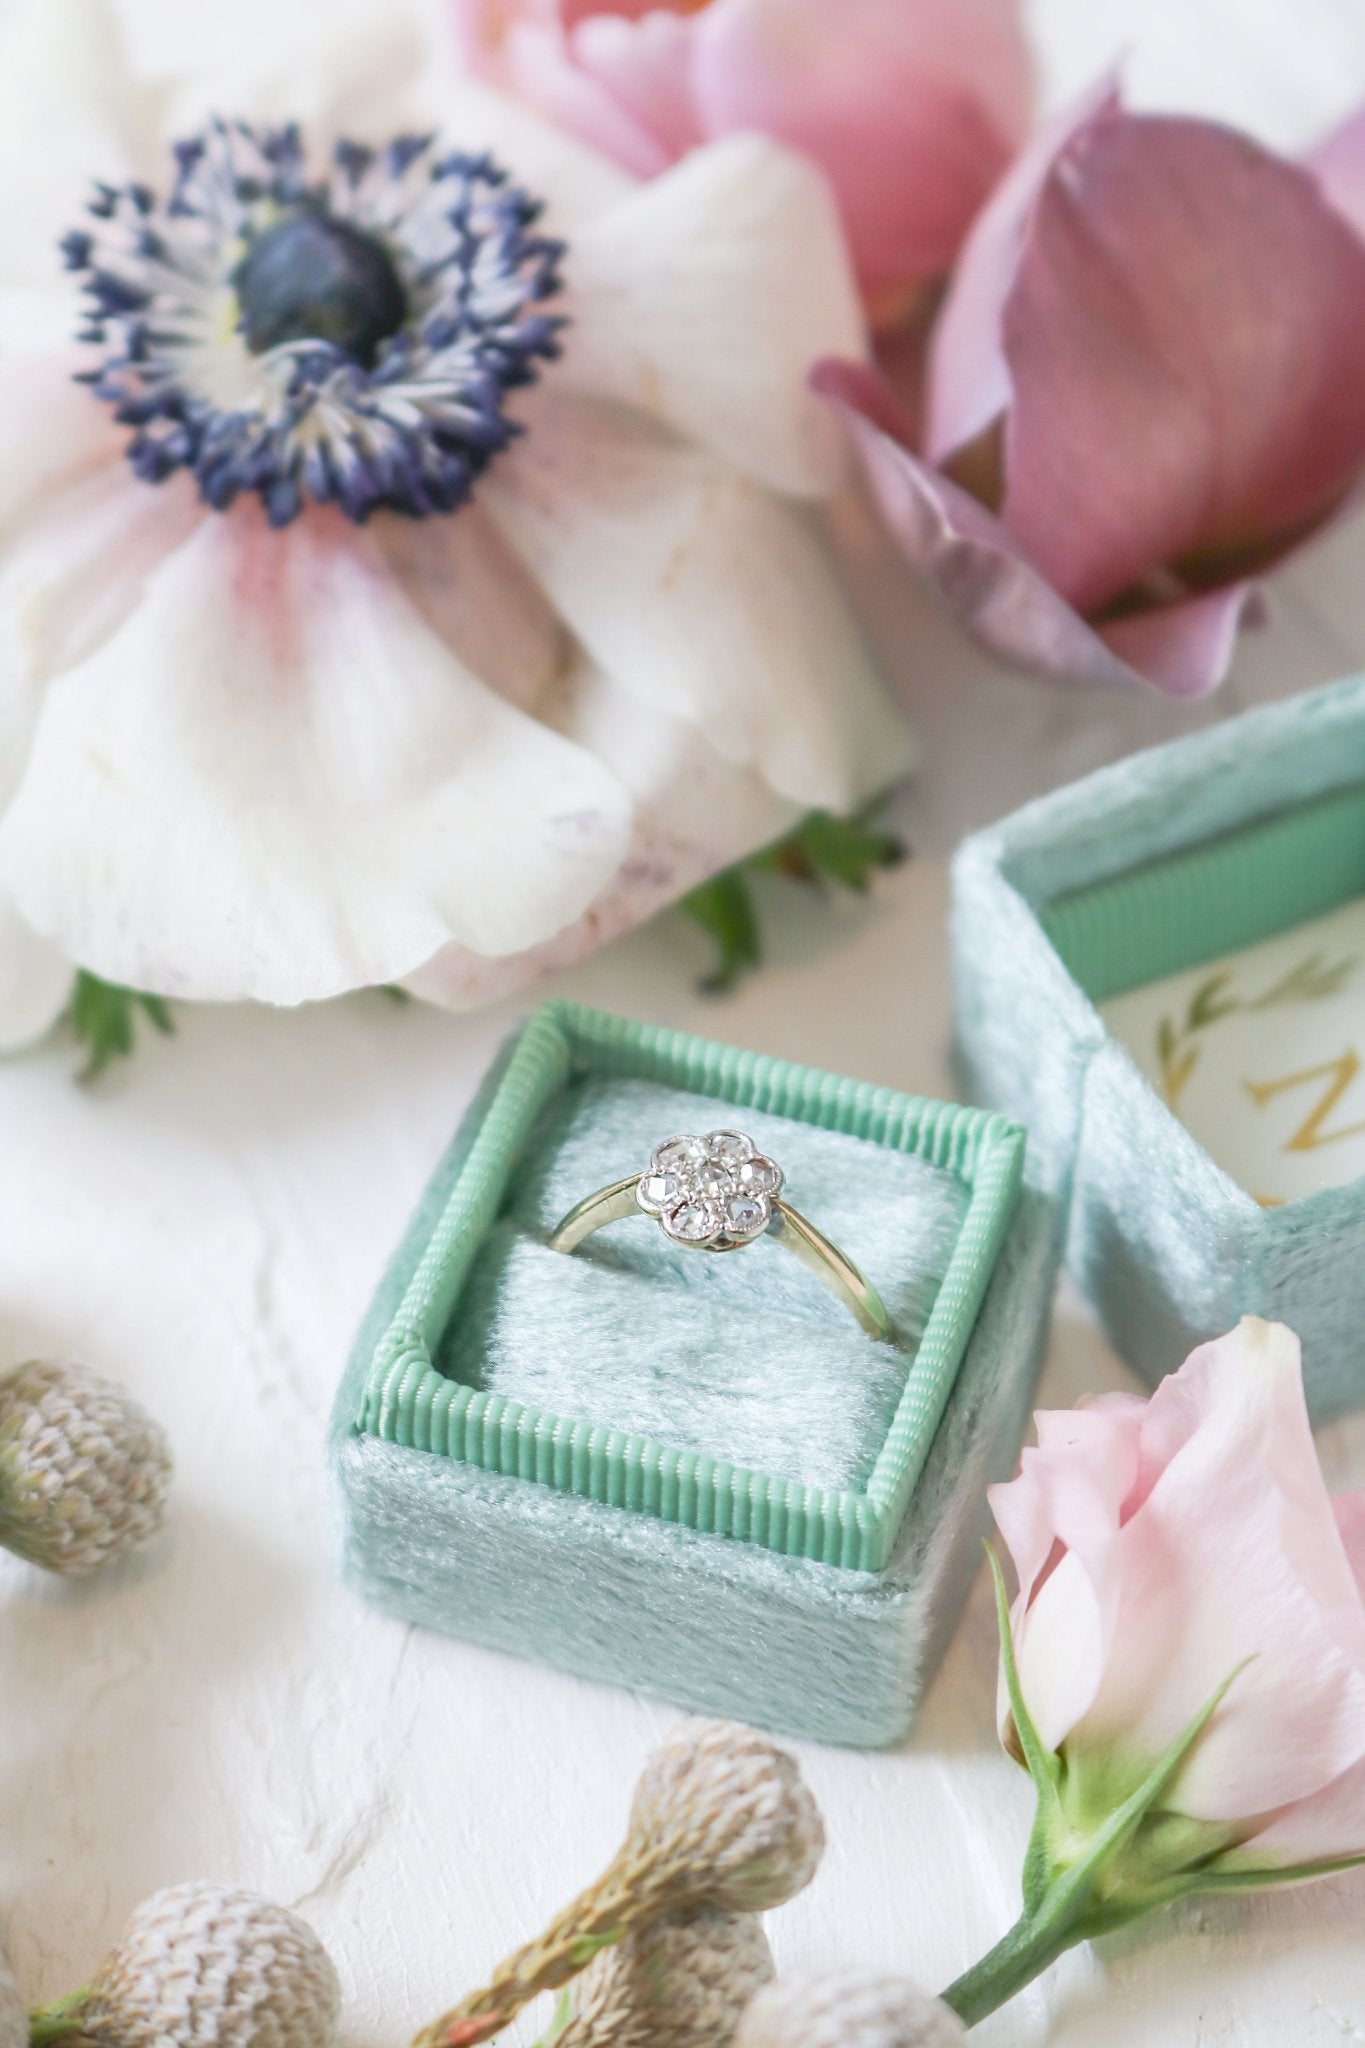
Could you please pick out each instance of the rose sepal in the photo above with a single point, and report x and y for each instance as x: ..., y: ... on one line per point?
x: 1085, y: 1873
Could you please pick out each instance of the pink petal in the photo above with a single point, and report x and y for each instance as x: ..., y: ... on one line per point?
x: 969, y: 379
x: 540, y: 66
x: 1338, y: 163
x: 1183, y: 342
x: 1186, y: 648
x: 1330, y: 1824
x: 1232, y: 1555
x: 51, y: 429
x: 524, y: 47
x: 976, y: 567
x: 1068, y: 1497
x: 647, y: 67
x: 1349, y: 1509
x: 912, y: 108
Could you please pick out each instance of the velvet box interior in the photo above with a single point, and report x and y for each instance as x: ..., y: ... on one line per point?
x: 691, y: 1474
x: 1161, y: 970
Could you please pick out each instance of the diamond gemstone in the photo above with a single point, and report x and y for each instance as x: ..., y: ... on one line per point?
x: 658, y: 1191
x: 719, y: 1187
x: 678, y: 1154
x: 692, y: 1221
x: 746, y: 1216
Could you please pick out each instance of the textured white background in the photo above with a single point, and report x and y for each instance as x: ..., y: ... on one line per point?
x: 207, y: 1228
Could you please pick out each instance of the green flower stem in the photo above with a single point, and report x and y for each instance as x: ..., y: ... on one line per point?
x: 62, y: 2020
x: 1033, y: 1943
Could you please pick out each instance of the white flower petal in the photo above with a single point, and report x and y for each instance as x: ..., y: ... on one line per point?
x: 468, y: 585
x: 70, y: 574
x: 364, y: 70
x: 705, y: 297
x: 69, y: 112
x: 36, y: 318
x: 73, y: 570
x: 728, y: 813
x: 35, y: 980
x: 702, y: 592
x: 51, y: 430
x: 275, y: 781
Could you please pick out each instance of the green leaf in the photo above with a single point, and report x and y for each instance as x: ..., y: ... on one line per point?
x: 822, y: 848
x: 849, y: 851
x: 1165, y: 1041
x: 104, y: 1019
x: 724, y: 910
x: 1263, y: 1877
x: 1042, y: 1764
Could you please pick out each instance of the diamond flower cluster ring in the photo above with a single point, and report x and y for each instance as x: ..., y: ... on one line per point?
x: 718, y: 1193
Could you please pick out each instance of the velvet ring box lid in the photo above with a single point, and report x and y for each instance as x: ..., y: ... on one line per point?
x: 1161, y: 969
x: 690, y: 1474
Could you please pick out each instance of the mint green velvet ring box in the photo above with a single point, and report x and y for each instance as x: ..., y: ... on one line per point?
x: 690, y: 1474
x: 1161, y: 971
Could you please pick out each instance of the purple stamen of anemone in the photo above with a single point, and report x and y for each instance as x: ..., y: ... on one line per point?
x: 350, y: 339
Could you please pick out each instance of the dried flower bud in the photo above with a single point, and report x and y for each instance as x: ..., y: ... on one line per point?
x: 680, y: 1983
x: 721, y: 1819
x: 848, y: 2009
x: 84, y: 1471
x: 205, y: 1968
x: 725, y: 1814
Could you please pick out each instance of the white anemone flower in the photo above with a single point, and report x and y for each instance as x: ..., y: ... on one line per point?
x: 409, y: 569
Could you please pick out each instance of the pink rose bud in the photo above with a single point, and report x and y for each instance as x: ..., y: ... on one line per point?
x: 1145, y: 388
x: 912, y: 108
x: 1183, y: 1667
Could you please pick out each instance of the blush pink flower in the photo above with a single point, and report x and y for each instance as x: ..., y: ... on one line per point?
x: 1183, y: 1667
x: 1145, y: 388
x: 913, y: 108
x: 1162, y: 1545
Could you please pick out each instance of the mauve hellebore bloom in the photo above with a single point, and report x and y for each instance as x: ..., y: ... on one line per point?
x: 912, y: 108
x: 1184, y: 1662
x: 1145, y: 387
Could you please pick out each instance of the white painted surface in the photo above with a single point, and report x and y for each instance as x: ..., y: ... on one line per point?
x: 208, y: 1226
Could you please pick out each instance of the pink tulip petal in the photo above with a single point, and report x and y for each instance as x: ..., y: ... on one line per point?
x: 969, y: 379
x: 1186, y: 649
x: 1183, y: 341
x: 1338, y: 163
x: 1233, y: 1555
x: 913, y: 110
x: 974, y: 564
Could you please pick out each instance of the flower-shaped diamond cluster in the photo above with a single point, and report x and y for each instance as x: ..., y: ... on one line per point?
x: 715, y: 1191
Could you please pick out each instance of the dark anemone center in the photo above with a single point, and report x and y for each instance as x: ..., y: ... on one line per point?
x: 311, y: 278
